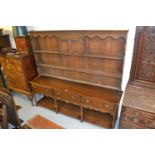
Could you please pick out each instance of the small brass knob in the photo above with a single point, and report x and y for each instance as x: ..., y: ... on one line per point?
x: 87, y: 100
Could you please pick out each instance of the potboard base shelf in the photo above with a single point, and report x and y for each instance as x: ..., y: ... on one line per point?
x: 92, y: 116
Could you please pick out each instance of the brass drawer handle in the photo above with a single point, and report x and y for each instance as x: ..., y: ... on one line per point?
x: 105, y: 105
x: 57, y: 93
x: 87, y: 101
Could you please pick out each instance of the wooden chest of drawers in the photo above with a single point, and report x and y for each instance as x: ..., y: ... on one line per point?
x: 19, y: 70
x: 139, y: 102
x: 4, y: 41
x: 138, y: 109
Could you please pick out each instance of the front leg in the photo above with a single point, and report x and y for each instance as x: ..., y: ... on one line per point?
x: 32, y: 98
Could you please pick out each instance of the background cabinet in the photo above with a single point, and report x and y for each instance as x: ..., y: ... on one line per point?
x: 139, y: 102
x: 19, y: 70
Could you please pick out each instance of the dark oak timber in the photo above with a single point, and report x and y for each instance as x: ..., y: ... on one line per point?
x: 82, y: 70
x: 139, y: 102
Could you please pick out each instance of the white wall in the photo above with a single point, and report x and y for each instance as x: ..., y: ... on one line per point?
x: 65, y: 26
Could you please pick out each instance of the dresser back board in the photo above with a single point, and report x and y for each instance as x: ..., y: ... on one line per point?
x: 89, y: 57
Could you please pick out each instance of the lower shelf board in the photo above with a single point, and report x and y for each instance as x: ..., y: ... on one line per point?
x: 98, y: 118
x: 65, y: 108
x: 47, y: 103
x: 69, y: 109
x: 92, y: 116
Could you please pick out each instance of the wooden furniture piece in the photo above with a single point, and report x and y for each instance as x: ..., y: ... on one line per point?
x: 19, y: 70
x: 4, y: 42
x: 7, y: 100
x: 40, y: 122
x: 1, y: 31
x: 23, y: 44
x: 2, y: 79
x: 3, y: 118
x: 139, y: 102
x: 81, y: 71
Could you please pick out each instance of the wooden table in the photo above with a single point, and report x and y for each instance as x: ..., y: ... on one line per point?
x: 39, y: 122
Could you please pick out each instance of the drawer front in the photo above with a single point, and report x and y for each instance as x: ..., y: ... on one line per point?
x: 129, y: 125
x: 67, y: 96
x: 16, y: 77
x: 12, y: 61
x: 13, y: 69
x: 138, y: 113
x: 43, y: 90
x: 13, y: 65
x: 18, y: 85
x: 102, y: 104
x: 139, y: 120
x: 97, y: 104
x: 19, y: 68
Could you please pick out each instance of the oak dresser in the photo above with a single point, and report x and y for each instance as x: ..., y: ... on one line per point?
x: 80, y: 73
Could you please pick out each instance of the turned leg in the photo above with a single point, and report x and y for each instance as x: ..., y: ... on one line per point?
x: 32, y: 99
x: 113, y: 122
x: 114, y: 119
x: 115, y: 115
x: 56, y: 106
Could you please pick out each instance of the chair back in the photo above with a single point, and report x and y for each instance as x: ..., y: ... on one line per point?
x: 7, y: 100
x: 4, y: 118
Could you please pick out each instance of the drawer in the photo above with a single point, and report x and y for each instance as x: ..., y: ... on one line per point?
x: 43, y: 90
x: 97, y: 103
x: 12, y: 61
x: 7, y: 67
x: 13, y: 68
x: 139, y: 120
x: 19, y: 68
x: 67, y: 96
x: 19, y: 77
x: 129, y: 125
x: 102, y: 104
x: 138, y: 113
x: 18, y: 85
